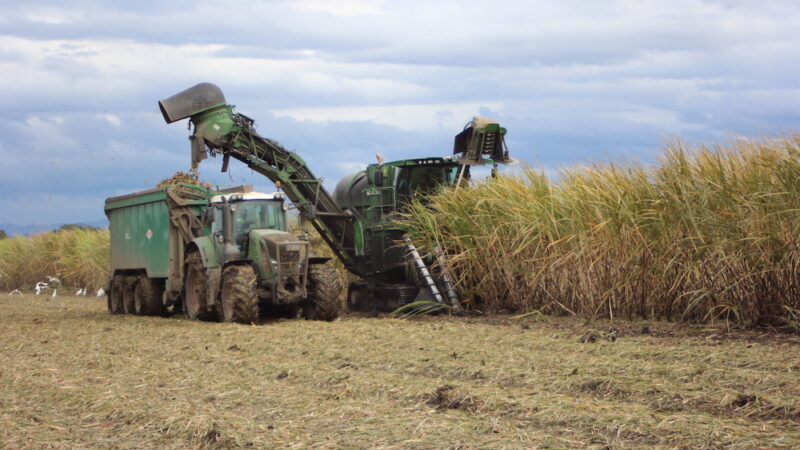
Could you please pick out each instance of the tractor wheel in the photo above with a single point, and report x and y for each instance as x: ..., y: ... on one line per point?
x: 324, y: 294
x: 195, y: 291
x: 147, y: 298
x: 239, y: 302
x: 128, y: 290
x: 115, y: 295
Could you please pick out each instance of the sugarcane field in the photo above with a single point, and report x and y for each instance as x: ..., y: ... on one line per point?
x: 372, y: 224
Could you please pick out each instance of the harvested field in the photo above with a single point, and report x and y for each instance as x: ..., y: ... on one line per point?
x: 73, y: 375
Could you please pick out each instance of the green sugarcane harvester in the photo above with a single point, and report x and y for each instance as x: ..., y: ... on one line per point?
x: 358, y: 221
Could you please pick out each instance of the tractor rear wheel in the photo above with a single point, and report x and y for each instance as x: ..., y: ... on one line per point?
x: 115, y: 295
x: 128, y: 290
x: 147, y: 297
x: 195, y: 290
x: 324, y: 300
x: 239, y: 302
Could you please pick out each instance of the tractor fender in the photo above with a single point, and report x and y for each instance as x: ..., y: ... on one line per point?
x: 208, y: 252
x: 205, y: 246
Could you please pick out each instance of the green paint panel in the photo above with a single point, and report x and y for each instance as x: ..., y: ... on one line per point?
x: 358, y: 231
x: 140, y: 232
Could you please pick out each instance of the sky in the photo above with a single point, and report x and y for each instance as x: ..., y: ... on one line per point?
x: 574, y: 82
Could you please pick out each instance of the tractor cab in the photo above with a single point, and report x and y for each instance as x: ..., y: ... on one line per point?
x: 250, y: 228
x: 237, y: 218
x: 248, y: 211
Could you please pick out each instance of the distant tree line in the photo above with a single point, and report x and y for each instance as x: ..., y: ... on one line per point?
x: 65, y: 227
x: 75, y: 226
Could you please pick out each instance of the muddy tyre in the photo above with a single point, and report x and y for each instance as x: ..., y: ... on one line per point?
x: 239, y: 300
x: 128, y: 290
x: 195, y: 289
x: 147, y: 298
x: 324, y: 294
x: 115, y: 295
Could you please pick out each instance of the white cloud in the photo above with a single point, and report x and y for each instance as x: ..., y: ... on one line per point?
x: 111, y: 118
x: 344, y: 8
x: 406, y: 117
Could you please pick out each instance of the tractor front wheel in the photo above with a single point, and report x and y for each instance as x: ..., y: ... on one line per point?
x: 239, y: 301
x: 324, y: 300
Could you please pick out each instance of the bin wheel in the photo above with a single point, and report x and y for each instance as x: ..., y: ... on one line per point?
x: 195, y: 291
x: 128, y: 290
x: 147, y: 297
x: 115, y: 295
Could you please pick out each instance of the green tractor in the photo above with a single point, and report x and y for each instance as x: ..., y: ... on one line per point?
x: 359, y: 221
x: 215, y: 255
x: 261, y: 267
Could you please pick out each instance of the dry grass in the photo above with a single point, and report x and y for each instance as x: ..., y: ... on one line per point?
x: 73, y: 375
x: 710, y: 233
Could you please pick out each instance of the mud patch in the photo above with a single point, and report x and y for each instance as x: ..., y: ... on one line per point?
x: 594, y: 336
x: 450, y: 397
x: 604, y: 389
x: 752, y: 405
x: 747, y: 405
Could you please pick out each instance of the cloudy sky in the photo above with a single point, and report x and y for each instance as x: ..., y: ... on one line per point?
x: 573, y: 81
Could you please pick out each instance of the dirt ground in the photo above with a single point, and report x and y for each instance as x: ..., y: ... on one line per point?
x: 72, y: 375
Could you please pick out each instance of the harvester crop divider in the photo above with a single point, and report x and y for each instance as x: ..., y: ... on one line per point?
x: 449, y: 286
x: 423, y: 270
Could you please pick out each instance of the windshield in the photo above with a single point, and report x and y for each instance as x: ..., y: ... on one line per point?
x: 423, y: 179
x: 252, y: 214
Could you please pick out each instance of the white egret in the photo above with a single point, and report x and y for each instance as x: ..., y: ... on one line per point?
x: 40, y: 287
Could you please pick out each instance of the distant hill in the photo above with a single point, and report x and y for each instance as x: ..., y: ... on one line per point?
x: 13, y: 229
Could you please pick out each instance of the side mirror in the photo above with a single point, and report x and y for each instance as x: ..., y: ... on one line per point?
x: 208, y: 216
